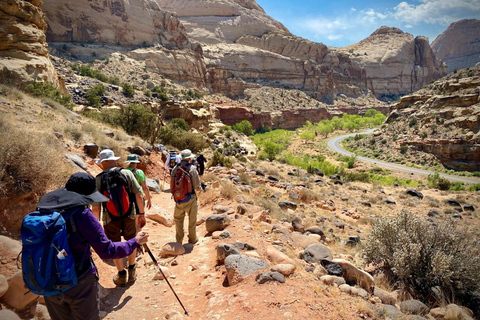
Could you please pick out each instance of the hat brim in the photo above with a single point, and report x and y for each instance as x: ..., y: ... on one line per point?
x: 62, y: 199
x: 111, y: 158
x: 132, y: 161
x: 189, y: 157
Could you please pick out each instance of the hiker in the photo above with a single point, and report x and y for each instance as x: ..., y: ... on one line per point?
x: 120, y: 216
x: 84, y: 232
x: 201, y: 163
x: 133, y: 160
x: 184, y: 182
x: 172, y: 160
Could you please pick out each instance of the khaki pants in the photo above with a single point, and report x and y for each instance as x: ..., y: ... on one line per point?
x: 190, y: 208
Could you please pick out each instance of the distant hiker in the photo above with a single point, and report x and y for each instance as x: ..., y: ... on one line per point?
x: 132, y: 161
x: 119, y: 213
x: 69, y: 205
x: 201, y: 164
x: 184, y: 182
x: 172, y: 160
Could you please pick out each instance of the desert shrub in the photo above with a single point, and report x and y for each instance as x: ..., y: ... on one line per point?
x: 25, y: 162
x: 307, y: 195
x: 419, y: 255
x: 227, y: 189
x: 48, y: 90
x: 351, y: 161
x: 244, y: 127
x: 475, y: 187
x: 181, y: 139
x: 403, y: 149
x: 128, y: 90
x: 435, y: 181
x: 219, y: 159
x: 457, y: 186
x: 177, y: 123
x: 271, y: 149
x: 87, y: 71
x: 94, y: 93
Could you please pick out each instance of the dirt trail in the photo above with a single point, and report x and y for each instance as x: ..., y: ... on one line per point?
x: 200, y: 284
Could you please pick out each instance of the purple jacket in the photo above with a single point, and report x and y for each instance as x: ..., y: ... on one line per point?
x: 89, y: 233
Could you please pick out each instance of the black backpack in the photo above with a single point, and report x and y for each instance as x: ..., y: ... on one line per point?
x: 172, y: 160
x: 114, y: 185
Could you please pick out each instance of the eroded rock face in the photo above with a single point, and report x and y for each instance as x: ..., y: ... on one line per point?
x: 23, y: 49
x: 395, y: 62
x: 221, y: 21
x: 113, y: 21
x: 459, y: 45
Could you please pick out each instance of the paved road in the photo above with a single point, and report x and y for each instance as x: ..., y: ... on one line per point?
x: 334, y: 144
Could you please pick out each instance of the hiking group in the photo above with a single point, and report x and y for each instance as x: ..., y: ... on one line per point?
x: 96, y: 213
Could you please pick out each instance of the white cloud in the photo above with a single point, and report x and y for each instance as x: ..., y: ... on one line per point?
x: 408, y: 26
x: 436, y: 11
x: 334, y: 36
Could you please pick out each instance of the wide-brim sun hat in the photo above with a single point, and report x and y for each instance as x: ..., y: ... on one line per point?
x: 80, y: 189
x: 187, y: 154
x: 132, y: 158
x: 107, y: 154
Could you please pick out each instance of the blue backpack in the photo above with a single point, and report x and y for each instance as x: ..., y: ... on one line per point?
x: 48, y: 266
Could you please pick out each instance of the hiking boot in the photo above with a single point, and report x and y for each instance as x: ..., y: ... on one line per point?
x: 132, y: 273
x: 193, y: 242
x: 120, y: 279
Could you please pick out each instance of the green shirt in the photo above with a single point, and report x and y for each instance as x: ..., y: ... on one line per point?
x: 140, y: 176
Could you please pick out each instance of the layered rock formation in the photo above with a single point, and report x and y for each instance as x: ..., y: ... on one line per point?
x: 395, y: 63
x: 459, y: 45
x: 443, y: 119
x: 23, y: 49
x: 133, y: 22
x: 222, y: 21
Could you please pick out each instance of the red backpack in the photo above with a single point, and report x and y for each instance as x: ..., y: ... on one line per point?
x: 114, y: 185
x: 181, y: 183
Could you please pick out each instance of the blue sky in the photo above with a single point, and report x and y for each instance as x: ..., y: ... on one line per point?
x: 343, y: 22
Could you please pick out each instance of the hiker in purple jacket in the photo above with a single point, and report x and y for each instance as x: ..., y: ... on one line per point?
x: 85, y: 232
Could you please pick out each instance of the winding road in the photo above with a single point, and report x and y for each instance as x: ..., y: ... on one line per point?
x: 334, y: 144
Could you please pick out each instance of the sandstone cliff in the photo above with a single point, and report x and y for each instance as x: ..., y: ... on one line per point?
x: 23, y: 49
x: 222, y: 21
x: 459, y: 45
x: 131, y: 22
x: 443, y: 119
x: 395, y: 62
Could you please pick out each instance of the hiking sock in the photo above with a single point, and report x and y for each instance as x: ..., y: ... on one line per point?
x: 131, y: 267
x: 122, y: 273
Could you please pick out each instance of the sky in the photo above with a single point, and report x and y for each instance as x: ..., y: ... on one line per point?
x: 340, y: 23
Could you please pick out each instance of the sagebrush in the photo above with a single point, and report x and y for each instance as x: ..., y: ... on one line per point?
x: 420, y: 255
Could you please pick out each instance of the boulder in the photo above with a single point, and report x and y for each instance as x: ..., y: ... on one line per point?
x: 239, y: 267
x: 454, y: 312
x: 8, y: 315
x: 18, y: 297
x: 277, y: 257
x: 298, y: 225
x: 41, y: 313
x: 287, y: 205
x: 153, y: 185
x: 331, y: 280
x: 332, y: 268
x: 414, y: 193
x: 302, y: 241
x: 319, y: 271
x: 77, y: 160
x: 315, y: 230
x: 160, y: 215
x: 91, y: 150
x: 172, y: 249
x: 315, y: 253
x: 244, y: 246
x: 356, y: 275
x: 225, y: 234
x: 390, y: 312
x: 160, y: 276
x: 468, y: 207
x: 413, y: 306
x: 385, y: 296
x: 216, y: 222
x: 284, y: 268
x: 11, y: 245
x: 222, y: 209
x: 270, y: 276
x: 3, y: 285
x: 224, y: 250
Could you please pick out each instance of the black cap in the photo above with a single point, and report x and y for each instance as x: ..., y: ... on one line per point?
x: 81, y: 182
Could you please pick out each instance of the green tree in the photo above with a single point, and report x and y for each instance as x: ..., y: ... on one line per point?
x: 244, y: 127
x: 271, y: 149
x: 128, y: 90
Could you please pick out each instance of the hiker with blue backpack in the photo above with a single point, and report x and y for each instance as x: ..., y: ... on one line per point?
x: 184, y: 185
x: 119, y: 216
x: 56, y: 257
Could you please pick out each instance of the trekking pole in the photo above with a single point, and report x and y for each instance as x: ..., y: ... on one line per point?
x: 147, y: 249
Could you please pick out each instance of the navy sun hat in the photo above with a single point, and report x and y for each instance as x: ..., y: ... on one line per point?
x: 80, y: 189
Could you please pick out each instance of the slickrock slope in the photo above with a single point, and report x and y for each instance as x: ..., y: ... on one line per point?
x: 23, y: 49
x: 126, y: 22
x: 459, y: 45
x: 396, y: 63
x: 222, y: 21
